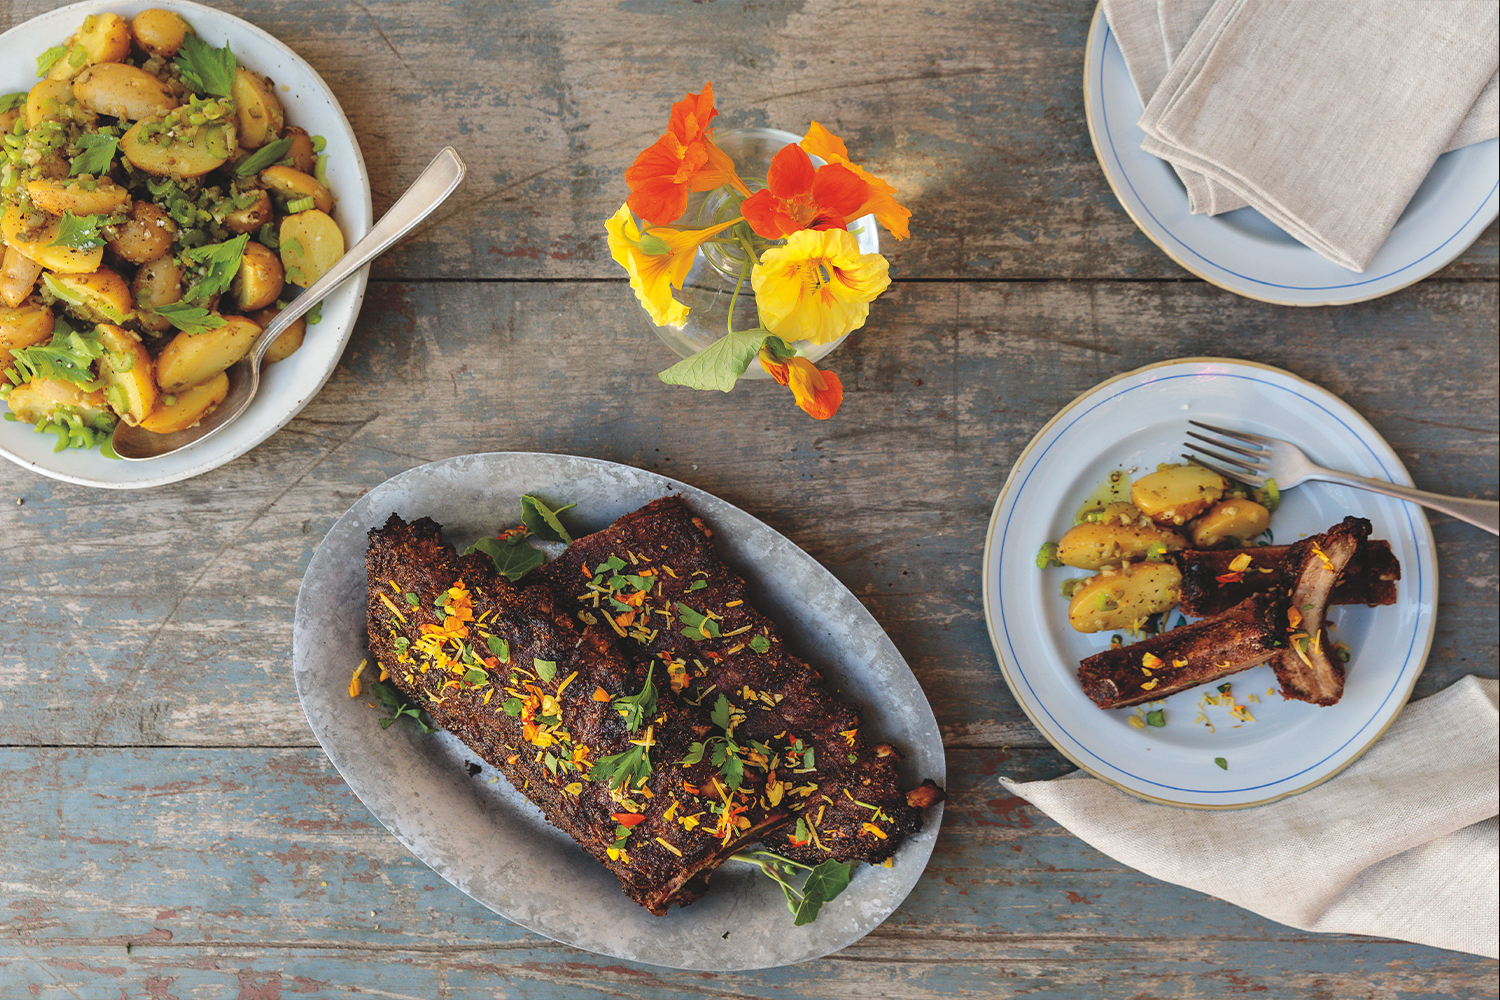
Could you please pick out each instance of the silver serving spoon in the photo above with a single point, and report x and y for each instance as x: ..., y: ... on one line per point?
x: 427, y: 192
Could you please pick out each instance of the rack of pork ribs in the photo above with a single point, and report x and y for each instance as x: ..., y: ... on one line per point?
x: 529, y: 680
x: 1269, y: 607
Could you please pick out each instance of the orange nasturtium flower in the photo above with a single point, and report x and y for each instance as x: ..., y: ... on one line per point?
x: 798, y: 197
x: 657, y: 261
x: 818, y: 286
x: 819, y: 393
x: 682, y: 160
x: 881, y: 201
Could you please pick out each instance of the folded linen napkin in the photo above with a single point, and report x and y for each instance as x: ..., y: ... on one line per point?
x: 1403, y: 844
x: 1152, y: 33
x: 1325, y: 116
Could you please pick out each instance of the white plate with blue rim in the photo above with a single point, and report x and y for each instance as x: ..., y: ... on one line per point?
x: 1246, y: 253
x: 287, y: 386
x: 1202, y: 756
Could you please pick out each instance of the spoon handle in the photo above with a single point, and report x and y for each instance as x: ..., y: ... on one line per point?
x: 431, y: 188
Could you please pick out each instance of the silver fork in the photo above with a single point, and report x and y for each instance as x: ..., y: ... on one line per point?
x: 1253, y: 459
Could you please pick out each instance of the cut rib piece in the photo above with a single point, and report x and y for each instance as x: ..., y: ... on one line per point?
x: 654, y: 579
x: 1243, y: 637
x: 516, y: 679
x: 1306, y: 668
x: 1209, y: 586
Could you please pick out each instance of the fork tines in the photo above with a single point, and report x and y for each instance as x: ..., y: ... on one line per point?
x: 1245, y: 465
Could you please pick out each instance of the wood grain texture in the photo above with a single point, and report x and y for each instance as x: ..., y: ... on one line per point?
x: 172, y: 828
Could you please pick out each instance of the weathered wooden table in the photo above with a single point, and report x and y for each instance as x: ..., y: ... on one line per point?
x: 171, y: 827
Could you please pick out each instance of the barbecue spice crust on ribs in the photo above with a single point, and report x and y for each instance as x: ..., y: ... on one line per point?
x: 1281, y: 624
x: 521, y: 684
x: 654, y: 579
x: 1210, y: 586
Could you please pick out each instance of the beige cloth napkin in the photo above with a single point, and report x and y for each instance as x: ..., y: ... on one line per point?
x: 1325, y: 115
x: 1403, y: 844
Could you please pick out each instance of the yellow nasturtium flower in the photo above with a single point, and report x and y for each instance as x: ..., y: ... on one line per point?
x: 818, y: 286
x: 657, y: 261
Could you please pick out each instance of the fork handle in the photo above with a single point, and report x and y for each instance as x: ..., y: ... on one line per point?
x: 1480, y: 513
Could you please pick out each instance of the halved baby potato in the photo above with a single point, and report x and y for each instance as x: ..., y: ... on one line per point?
x: 1096, y: 544
x: 122, y: 91
x: 187, y: 407
x: 294, y: 185
x: 191, y: 153
x: 258, y: 113
x: 129, y: 382
x: 24, y: 325
x: 1124, y: 599
x: 18, y: 276
x: 101, y: 296
x: 33, y: 235
x: 101, y: 197
x: 287, y: 342
x: 254, y: 215
x: 159, y: 32
x: 259, y: 280
x: 51, y: 100
x: 1230, y: 522
x: 39, y: 399
x: 311, y: 243
x: 1175, y: 494
x: 157, y: 283
x: 146, y: 236
x: 190, y: 358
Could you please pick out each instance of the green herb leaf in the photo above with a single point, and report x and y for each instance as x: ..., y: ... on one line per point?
x: 68, y: 357
x: 395, y: 703
x: 80, y: 232
x: 697, y: 585
x: 499, y: 647
x: 263, y: 157
x: 545, y: 669
x: 760, y: 643
x: 9, y: 102
x: 699, y: 626
x: 220, y: 263
x: 205, y: 69
x: 512, y: 557
x: 189, y: 318
x: 823, y: 884
x: 97, y: 156
x: 629, y: 768
x: 1223, y: 764
x: 45, y: 61
x: 1156, y: 718
x: 637, y: 708
x: 475, y: 678
x: 542, y: 521
x: 719, y: 364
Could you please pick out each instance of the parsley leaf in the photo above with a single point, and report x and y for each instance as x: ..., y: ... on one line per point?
x: 542, y: 521
x: 221, y: 262
x: 189, y: 318
x: 98, y: 153
x: 46, y: 59
x: 205, y: 69
x: 719, y: 364
x: 263, y: 157
x: 627, y: 769
x: 635, y: 709
x: 68, y: 357
x: 399, y: 706
x: 80, y: 232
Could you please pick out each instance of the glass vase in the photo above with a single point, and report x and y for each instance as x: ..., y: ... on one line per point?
x: 709, y: 291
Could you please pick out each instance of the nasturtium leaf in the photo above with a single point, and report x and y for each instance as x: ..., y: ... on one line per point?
x: 719, y: 365
x: 824, y: 883
x: 542, y: 521
x: 512, y: 557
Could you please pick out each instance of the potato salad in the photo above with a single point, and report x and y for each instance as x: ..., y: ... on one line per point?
x: 1126, y: 533
x: 156, y: 205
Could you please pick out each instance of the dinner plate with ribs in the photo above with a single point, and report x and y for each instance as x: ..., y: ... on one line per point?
x: 1241, y: 700
x: 678, y: 685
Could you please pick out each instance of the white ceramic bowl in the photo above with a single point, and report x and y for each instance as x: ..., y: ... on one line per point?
x: 286, y: 386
